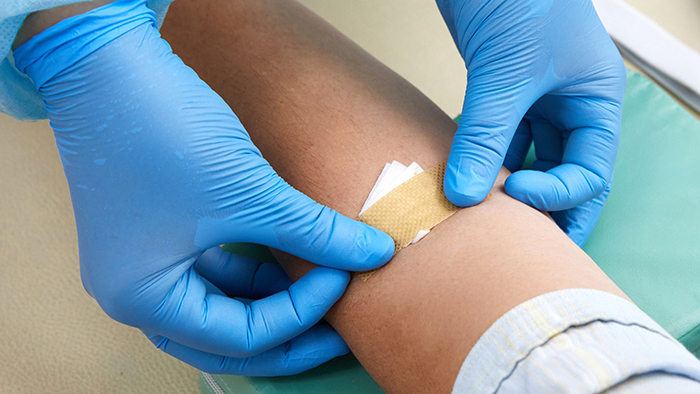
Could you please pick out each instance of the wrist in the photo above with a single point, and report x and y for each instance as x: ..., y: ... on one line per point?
x: 66, y: 43
x: 36, y: 22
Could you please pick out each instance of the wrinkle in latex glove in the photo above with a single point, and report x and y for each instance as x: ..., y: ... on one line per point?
x: 544, y: 72
x: 160, y: 170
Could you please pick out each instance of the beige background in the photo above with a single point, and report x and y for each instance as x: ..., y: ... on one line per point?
x: 54, y: 336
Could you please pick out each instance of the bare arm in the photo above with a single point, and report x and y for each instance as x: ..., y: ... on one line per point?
x: 327, y: 116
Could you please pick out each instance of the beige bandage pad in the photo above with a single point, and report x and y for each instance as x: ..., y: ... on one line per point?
x: 415, y: 205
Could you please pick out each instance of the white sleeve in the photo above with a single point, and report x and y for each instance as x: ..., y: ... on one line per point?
x: 577, y: 341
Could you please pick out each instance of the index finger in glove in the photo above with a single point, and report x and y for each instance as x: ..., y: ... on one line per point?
x: 323, y: 236
x: 493, y: 109
x: 283, y: 218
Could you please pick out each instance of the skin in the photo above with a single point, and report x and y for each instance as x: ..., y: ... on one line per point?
x: 328, y: 116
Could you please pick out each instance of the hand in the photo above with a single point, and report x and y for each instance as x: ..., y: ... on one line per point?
x: 161, y: 172
x: 542, y: 71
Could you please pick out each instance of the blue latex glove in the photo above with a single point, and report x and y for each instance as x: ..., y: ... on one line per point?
x: 543, y: 71
x: 161, y: 172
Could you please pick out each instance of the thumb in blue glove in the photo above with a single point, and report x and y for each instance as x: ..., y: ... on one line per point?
x: 542, y: 71
x: 160, y: 172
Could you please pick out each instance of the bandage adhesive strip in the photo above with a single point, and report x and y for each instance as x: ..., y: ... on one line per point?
x: 415, y: 205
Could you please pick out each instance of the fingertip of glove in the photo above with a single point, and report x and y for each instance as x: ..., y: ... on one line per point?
x: 464, y: 188
x: 388, y: 247
x: 377, y: 246
x: 317, y: 291
x: 515, y: 184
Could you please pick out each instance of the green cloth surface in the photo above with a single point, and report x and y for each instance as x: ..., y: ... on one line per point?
x: 647, y: 239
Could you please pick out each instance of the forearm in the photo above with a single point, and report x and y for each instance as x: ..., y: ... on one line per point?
x: 327, y: 116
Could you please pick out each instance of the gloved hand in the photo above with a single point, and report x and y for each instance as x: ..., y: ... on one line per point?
x: 161, y: 172
x: 537, y: 70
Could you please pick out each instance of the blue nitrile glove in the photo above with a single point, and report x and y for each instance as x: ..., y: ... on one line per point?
x: 161, y: 170
x: 543, y: 71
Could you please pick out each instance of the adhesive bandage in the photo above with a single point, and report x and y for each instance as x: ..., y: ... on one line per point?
x: 406, y: 202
